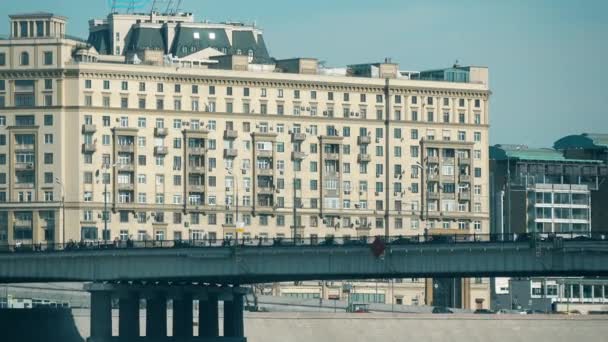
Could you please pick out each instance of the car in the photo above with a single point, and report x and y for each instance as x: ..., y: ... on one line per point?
x: 442, y: 310
x: 402, y: 241
x: 356, y: 242
x: 441, y: 239
x: 484, y: 312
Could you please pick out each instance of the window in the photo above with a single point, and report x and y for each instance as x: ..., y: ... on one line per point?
x: 48, y: 158
x: 477, y: 136
x: 25, y: 58
x: 414, y: 115
x: 477, y: 172
x: 2, y: 59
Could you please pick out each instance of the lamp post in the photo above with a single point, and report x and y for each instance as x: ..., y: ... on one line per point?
x: 236, y: 181
x: 62, y: 210
x: 295, y: 205
x: 105, y: 202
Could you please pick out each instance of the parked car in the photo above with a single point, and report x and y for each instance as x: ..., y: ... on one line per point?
x: 442, y: 310
x: 484, y: 312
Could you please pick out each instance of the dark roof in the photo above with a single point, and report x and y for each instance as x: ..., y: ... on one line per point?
x: 101, y: 41
x: 186, y: 44
x: 35, y: 15
x: 521, y: 152
x: 583, y: 141
x: 146, y: 38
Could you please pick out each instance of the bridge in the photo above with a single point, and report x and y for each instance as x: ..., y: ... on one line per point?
x: 228, y: 262
x: 212, y: 271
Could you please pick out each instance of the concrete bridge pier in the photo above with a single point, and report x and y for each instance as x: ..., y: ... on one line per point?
x: 156, y: 315
x: 208, y: 321
x: 101, y: 316
x: 156, y: 296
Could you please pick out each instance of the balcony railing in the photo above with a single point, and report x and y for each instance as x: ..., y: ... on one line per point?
x: 331, y: 156
x: 161, y: 150
x: 125, y: 186
x: 364, y: 140
x: 126, y: 148
x: 297, y: 155
x: 24, y: 147
x: 264, y: 153
x: 265, y: 172
x: 364, y: 158
x: 196, y: 187
x: 89, y: 128
x: 196, y: 150
x: 161, y: 132
x: 89, y: 148
x: 24, y: 166
x: 231, y: 134
x: 230, y: 153
x: 298, y: 137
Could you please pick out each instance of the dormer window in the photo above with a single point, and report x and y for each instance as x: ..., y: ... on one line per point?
x: 25, y: 58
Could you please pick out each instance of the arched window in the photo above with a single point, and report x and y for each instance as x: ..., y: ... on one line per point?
x: 25, y: 58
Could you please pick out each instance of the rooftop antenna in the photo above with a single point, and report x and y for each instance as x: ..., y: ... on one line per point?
x: 456, y: 64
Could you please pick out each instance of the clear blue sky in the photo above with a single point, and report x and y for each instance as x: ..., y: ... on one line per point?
x: 547, y: 58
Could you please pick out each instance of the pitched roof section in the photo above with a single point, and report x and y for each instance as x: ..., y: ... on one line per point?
x: 582, y: 141
x: 189, y: 40
x: 100, y: 39
x: 146, y: 38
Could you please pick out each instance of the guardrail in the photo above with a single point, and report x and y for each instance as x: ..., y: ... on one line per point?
x: 330, y: 241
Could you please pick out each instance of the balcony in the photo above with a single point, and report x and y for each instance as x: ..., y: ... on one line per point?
x: 331, y: 156
x: 196, y: 187
x: 230, y: 134
x: 161, y: 150
x: 125, y: 167
x: 24, y: 147
x: 196, y: 169
x: 464, y: 196
x: 447, y: 161
x: 464, y: 161
x: 433, y: 195
x: 231, y: 152
x: 465, y: 178
x: 264, y: 153
x: 265, y: 172
x: 364, y: 140
x: 265, y: 190
x: 433, y: 177
x: 298, y: 137
x: 125, y: 148
x: 298, y: 155
x: 432, y: 160
x: 89, y: 128
x: 196, y: 150
x: 161, y: 132
x: 125, y: 187
x: 24, y: 185
x: 22, y: 223
x: 89, y: 148
x: 24, y: 166
x: 364, y: 158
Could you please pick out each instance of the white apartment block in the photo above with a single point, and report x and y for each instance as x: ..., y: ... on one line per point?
x: 171, y: 138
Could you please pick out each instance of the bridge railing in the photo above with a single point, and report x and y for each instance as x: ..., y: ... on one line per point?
x: 330, y: 241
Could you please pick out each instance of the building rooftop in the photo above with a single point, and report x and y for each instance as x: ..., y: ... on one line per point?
x: 583, y: 141
x: 524, y: 153
x: 36, y: 15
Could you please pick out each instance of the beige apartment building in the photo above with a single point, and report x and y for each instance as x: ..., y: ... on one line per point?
x: 172, y: 125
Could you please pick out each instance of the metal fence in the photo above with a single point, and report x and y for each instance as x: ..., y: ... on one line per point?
x: 329, y: 241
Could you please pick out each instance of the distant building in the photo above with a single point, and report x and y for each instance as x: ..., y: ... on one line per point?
x: 158, y: 127
x: 542, y: 191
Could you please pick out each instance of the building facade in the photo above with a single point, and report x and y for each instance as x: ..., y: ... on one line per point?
x: 160, y: 128
x: 542, y: 191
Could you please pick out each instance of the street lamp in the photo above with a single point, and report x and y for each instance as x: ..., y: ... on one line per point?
x: 295, y: 205
x: 62, y: 211
x: 236, y: 181
x: 105, y: 202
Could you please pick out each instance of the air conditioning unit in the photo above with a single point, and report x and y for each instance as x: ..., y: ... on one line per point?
x: 357, y: 114
x: 360, y: 193
x: 377, y: 140
x: 308, y: 130
x: 347, y: 192
x: 227, y: 189
x: 281, y: 172
x: 303, y: 108
x: 324, y: 113
x: 377, y: 193
x: 247, y: 189
x: 357, y: 207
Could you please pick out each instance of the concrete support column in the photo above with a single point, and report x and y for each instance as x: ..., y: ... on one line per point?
x: 233, y: 317
x: 128, y: 320
x: 101, y: 316
x: 156, y: 316
x: 208, y: 321
x: 182, y: 316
